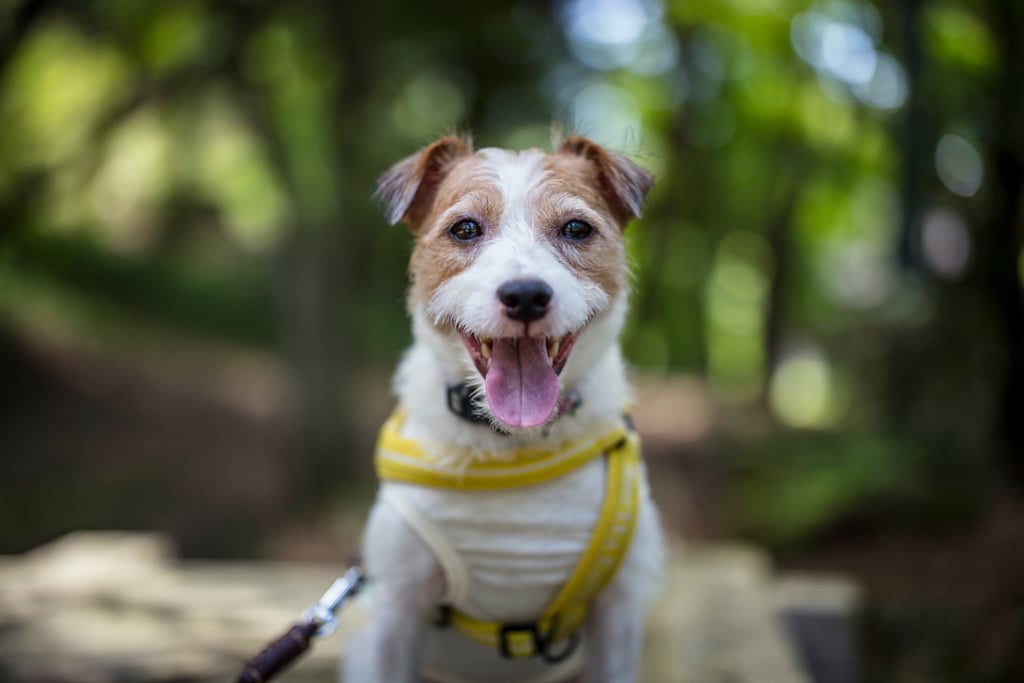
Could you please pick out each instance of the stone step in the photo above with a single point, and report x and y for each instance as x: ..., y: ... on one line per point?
x: 105, y: 607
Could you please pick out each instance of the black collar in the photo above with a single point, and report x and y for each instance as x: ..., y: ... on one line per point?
x: 459, y: 398
x: 460, y: 401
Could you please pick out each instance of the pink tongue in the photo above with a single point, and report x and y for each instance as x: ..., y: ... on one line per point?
x: 522, y: 389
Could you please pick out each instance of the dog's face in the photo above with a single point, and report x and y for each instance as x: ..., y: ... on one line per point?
x: 517, y: 256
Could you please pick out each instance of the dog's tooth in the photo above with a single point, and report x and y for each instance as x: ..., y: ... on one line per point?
x: 485, y: 349
x: 553, y: 346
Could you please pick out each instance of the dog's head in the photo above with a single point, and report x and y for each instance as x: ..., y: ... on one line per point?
x: 518, y: 256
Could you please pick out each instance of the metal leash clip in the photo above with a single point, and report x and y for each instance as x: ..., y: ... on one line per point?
x: 319, y: 619
x: 324, y: 611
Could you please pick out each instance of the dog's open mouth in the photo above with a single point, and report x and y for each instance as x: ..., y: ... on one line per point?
x: 520, y: 374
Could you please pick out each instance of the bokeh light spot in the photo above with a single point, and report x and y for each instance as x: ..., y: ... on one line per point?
x: 848, y: 52
x: 801, y: 391
x: 606, y: 113
x: 428, y: 103
x: 736, y: 296
x: 959, y: 165
x: 606, y: 34
x: 887, y: 87
x: 945, y: 243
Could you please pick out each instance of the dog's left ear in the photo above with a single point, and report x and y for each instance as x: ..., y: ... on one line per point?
x: 624, y: 184
x: 407, y: 188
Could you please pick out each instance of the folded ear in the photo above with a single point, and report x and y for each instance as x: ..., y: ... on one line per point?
x: 407, y: 189
x: 624, y: 184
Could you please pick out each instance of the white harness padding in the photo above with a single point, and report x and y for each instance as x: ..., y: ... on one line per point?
x: 505, y: 555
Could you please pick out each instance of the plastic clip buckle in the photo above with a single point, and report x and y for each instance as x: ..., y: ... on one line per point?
x: 519, y: 641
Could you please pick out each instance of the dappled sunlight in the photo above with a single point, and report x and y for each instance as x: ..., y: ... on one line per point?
x: 852, y: 243
x: 427, y: 104
x: 826, y: 121
x: 958, y: 165
x: 55, y: 91
x: 803, y: 392
x: 608, y: 34
x: 887, y: 87
x: 839, y: 39
x: 945, y: 243
x: 857, y: 274
x: 232, y: 173
x: 603, y: 112
x: 126, y: 190
x: 959, y: 37
x: 736, y: 304
x: 180, y: 33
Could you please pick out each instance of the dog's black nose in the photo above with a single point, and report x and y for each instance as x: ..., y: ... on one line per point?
x: 525, y: 300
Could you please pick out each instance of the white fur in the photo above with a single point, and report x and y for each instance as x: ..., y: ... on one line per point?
x: 407, y: 581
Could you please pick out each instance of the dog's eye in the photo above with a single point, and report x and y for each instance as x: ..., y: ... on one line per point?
x: 576, y: 230
x: 466, y: 230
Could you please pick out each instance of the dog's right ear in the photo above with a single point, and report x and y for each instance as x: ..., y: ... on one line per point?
x: 407, y: 189
x: 624, y: 183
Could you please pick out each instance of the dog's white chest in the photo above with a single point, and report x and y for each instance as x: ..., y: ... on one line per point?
x: 516, y: 546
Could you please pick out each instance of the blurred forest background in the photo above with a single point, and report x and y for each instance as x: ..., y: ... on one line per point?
x: 200, y: 305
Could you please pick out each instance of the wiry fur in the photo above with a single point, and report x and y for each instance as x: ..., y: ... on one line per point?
x: 521, y: 200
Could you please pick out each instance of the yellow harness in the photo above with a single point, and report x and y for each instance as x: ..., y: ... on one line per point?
x: 402, y: 459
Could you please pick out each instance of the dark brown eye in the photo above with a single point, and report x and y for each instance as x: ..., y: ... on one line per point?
x: 466, y: 231
x: 576, y: 230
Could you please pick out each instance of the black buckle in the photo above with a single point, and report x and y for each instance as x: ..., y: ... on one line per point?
x: 541, y: 644
x: 505, y: 643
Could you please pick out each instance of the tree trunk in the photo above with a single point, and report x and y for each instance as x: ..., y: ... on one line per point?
x: 1003, y: 229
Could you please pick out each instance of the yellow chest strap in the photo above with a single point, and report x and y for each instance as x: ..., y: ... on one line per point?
x: 401, y: 459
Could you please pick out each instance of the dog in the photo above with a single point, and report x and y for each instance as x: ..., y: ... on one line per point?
x: 497, y: 468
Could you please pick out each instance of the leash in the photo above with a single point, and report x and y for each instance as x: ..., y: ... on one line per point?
x: 319, y: 619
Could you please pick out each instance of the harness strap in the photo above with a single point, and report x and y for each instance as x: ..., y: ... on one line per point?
x: 564, y: 616
x: 399, y: 458
x: 456, y: 577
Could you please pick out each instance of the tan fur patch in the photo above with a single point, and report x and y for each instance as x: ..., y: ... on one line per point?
x: 437, y: 256
x: 601, y: 257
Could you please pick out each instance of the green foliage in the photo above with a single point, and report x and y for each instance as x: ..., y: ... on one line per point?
x: 207, y: 167
x: 75, y: 279
x: 55, y: 89
x: 958, y: 38
x: 797, y: 487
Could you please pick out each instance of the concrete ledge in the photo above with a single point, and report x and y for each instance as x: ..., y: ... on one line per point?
x: 101, y: 607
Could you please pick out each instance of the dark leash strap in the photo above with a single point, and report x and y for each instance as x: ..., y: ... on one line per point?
x: 276, y: 656
x: 318, y: 619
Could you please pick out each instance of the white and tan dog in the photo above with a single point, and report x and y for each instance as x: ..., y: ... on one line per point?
x: 519, y: 290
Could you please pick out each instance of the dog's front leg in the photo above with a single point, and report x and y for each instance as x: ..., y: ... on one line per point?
x: 406, y: 585
x: 614, y: 629
x: 614, y: 632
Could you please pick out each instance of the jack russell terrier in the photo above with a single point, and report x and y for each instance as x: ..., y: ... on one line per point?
x: 513, y: 539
